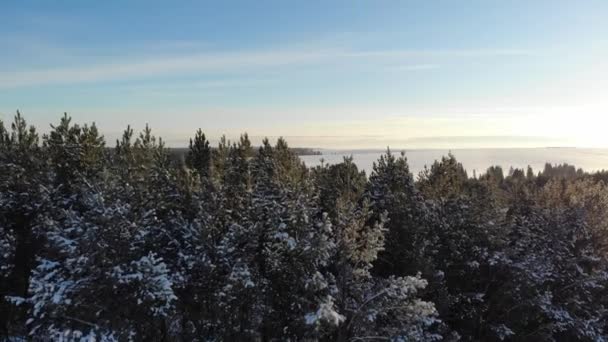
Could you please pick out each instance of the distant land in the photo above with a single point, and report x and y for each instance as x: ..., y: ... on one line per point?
x: 474, y: 160
x: 180, y: 152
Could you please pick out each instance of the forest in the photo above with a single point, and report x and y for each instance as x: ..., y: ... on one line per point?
x: 126, y: 241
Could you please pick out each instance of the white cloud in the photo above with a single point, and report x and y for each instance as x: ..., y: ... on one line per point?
x: 196, y: 62
x: 157, y: 66
x: 443, y: 53
x: 414, y: 67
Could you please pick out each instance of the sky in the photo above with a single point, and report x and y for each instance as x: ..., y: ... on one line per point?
x: 329, y: 74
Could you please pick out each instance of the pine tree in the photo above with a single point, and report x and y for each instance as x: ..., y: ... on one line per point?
x: 290, y: 169
x: 236, y: 182
x: 292, y: 247
x: 391, y: 190
x: 199, y: 155
x: 445, y: 178
x: 337, y: 185
x: 93, y: 279
x: 23, y: 198
x: 74, y: 151
x: 220, y: 159
x: 460, y: 252
x: 552, y: 284
x: 241, y: 245
x: 359, y: 306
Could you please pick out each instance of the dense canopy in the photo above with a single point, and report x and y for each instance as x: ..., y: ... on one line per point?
x: 235, y: 242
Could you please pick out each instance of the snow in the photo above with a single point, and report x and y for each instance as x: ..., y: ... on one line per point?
x: 326, y: 313
x: 15, y: 300
x: 502, y: 332
x: 152, y: 278
x: 285, y: 238
x: 240, y: 274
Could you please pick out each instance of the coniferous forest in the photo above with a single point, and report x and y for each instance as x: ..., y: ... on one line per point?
x: 231, y: 242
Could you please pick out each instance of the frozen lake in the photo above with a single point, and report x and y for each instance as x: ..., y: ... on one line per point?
x: 589, y: 159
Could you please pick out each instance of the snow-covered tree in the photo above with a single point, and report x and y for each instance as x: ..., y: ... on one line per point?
x: 589, y: 197
x: 92, y: 279
x: 293, y: 246
x: 74, y: 151
x: 557, y: 282
x: 359, y: 306
x: 444, y: 179
x: 236, y: 244
x: 23, y: 197
x: 338, y: 185
x: 460, y: 251
x: 391, y: 191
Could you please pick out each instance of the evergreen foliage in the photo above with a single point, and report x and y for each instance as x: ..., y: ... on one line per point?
x: 237, y: 243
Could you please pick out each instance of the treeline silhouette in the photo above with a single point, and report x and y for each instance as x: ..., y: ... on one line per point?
x: 236, y: 243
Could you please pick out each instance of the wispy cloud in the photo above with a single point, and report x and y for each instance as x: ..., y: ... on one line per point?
x: 196, y: 62
x: 201, y: 88
x: 444, y: 53
x: 158, y: 66
x: 414, y: 67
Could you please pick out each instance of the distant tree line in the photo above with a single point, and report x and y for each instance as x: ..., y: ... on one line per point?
x: 236, y: 243
x: 182, y: 153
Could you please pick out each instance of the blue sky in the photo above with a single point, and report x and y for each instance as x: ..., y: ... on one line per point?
x: 321, y: 73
